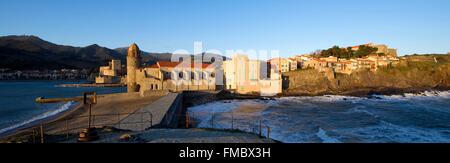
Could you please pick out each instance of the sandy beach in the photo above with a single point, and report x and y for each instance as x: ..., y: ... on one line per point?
x: 108, y: 105
x: 115, y: 107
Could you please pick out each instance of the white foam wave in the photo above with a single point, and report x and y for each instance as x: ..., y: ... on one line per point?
x: 60, y: 109
x: 388, y: 132
x: 322, y: 134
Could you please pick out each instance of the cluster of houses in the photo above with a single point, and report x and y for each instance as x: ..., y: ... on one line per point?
x: 382, y: 58
x: 63, y: 74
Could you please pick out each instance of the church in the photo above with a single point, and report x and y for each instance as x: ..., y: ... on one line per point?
x: 167, y: 76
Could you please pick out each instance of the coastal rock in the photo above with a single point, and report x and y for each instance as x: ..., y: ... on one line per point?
x: 410, y: 76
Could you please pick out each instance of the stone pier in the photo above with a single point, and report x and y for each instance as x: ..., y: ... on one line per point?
x: 163, y: 113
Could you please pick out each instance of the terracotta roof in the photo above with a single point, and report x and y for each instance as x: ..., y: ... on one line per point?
x: 160, y: 64
x: 167, y: 64
x: 154, y: 66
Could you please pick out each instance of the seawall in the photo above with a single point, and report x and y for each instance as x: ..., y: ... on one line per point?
x: 163, y: 113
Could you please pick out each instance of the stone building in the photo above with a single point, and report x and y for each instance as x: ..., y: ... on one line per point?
x: 110, y: 74
x: 167, y: 76
x: 382, y: 49
x: 283, y: 64
x: 247, y: 76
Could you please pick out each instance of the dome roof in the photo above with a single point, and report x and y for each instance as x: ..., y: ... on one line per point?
x: 133, y: 50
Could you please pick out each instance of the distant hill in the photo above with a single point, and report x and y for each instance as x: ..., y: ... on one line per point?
x: 33, y: 53
x: 148, y: 58
x: 151, y: 58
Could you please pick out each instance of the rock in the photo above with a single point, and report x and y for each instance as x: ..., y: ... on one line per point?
x: 126, y: 137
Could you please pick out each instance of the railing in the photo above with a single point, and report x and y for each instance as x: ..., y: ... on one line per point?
x: 71, y: 126
x: 228, y: 121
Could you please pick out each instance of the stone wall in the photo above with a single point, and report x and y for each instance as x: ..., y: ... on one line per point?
x: 146, y: 93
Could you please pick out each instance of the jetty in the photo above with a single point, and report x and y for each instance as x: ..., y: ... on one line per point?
x: 43, y: 100
x: 92, y: 85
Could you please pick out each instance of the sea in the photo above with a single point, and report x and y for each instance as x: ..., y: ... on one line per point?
x: 407, y: 118
x: 18, y: 106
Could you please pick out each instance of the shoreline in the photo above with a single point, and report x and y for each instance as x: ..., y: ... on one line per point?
x: 366, y: 92
x: 126, y: 104
x: 33, y: 124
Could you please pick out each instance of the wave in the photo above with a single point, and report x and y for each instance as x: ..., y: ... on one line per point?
x: 322, y: 134
x: 302, y: 119
x: 388, y: 132
x: 60, y: 109
x: 339, y: 98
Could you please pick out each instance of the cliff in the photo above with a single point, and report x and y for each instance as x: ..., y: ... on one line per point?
x: 411, y: 75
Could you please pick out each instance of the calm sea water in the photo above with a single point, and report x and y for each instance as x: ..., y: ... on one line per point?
x: 18, y: 106
x: 419, y: 118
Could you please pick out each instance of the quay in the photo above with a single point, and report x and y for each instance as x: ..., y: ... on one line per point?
x: 56, y: 100
x: 92, y: 85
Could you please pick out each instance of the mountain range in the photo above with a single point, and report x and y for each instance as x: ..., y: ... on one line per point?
x: 34, y: 53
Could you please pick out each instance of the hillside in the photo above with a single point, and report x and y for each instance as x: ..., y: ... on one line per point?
x: 149, y: 58
x: 412, y: 74
x: 31, y: 52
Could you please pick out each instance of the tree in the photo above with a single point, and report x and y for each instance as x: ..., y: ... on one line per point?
x: 348, y: 53
x: 365, y: 51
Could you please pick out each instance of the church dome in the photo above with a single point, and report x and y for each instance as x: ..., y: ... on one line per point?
x: 133, y: 50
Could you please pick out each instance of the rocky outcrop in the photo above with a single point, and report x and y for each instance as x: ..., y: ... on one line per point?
x: 409, y: 76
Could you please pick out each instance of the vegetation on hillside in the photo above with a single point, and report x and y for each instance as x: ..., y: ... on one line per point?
x: 348, y: 53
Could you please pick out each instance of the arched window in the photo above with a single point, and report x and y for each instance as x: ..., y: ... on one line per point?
x: 151, y: 86
x: 156, y: 86
x: 180, y: 75
x: 213, y: 60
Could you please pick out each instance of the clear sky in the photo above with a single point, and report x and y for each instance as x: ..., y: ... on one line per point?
x: 290, y: 26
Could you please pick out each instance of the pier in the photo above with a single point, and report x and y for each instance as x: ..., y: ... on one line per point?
x: 92, y: 85
x: 56, y: 100
x: 163, y: 113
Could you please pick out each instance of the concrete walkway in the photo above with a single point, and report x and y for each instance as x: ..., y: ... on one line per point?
x: 177, y: 136
x: 160, y: 114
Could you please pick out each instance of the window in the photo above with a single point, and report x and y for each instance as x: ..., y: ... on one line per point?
x: 167, y: 75
x: 213, y: 74
x: 156, y: 86
x: 192, y: 75
x: 180, y: 75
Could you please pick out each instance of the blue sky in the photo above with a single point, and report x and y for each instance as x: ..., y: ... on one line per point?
x: 290, y: 26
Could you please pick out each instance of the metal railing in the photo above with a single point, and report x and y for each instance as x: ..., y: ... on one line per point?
x: 69, y: 127
x: 228, y: 121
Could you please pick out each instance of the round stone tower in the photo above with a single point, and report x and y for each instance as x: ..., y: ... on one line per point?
x: 133, y: 64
